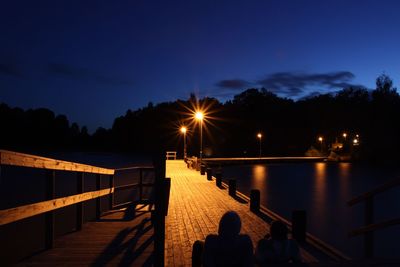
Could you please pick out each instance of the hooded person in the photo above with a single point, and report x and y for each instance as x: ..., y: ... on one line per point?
x: 229, y: 247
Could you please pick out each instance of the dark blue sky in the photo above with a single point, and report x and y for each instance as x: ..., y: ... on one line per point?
x: 93, y: 60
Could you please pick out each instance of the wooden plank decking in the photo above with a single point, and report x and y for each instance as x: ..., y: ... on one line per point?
x: 121, y: 238
x: 195, y: 208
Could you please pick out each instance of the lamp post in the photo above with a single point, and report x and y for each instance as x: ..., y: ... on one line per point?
x: 259, y: 135
x: 183, y: 130
x: 320, y: 139
x: 200, y: 116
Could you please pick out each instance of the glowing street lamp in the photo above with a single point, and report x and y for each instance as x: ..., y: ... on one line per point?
x: 344, y: 136
x: 355, y: 142
x: 259, y: 136
x: 184, y: 130
x: 320, y: 139
x: 199, y: 115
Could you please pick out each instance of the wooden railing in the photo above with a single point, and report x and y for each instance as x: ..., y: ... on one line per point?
x: 50, y: 204
x: 141, y: 185
x: 171, y: 155
x: 368, y: 229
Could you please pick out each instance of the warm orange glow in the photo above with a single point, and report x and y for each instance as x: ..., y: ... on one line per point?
x: 199, y: 115
x: 355, y: 141
x: 344, y: 135
x: 183, y: 129
x: 320, y: 138
x: 259, y: 135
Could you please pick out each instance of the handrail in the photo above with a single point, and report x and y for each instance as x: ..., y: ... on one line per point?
x: 15, y: 214
x: 375, y: 191
x: 27, y: 160
x: 373, y: 227
x: 369, y: 226
x: 135, y: 168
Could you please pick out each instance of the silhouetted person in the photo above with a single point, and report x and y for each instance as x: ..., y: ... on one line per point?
x: 229, y: 247
x: 277, y: 248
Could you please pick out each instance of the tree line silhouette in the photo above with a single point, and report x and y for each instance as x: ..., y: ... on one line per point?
x: 289, y: 127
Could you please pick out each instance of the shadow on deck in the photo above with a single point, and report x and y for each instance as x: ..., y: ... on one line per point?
x: 120, y: 238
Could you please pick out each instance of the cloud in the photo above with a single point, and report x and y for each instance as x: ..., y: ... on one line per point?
x: 295, y: 84
x: 78, y: 73
x: 10, y: 70
x: 233, y: 84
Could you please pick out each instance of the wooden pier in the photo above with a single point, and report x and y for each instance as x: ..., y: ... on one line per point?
x: 138, y: 233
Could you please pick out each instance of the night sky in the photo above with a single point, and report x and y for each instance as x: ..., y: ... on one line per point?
x: 93, y: 60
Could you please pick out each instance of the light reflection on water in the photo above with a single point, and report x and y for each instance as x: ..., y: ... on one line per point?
x: 322, y: 189
x: 260, y: 176
x: 319, y: 189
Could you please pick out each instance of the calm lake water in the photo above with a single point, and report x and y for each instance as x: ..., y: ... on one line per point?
x: 322, y: 189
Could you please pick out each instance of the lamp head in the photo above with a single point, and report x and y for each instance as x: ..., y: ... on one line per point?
x: 199, y: 115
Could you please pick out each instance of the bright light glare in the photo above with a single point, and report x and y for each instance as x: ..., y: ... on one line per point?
x: 320, y: 139
x: 199, y: 115
x: 259, y: 135
x: 355, y: 141
x: 183, y: 129
x: 344, y: 135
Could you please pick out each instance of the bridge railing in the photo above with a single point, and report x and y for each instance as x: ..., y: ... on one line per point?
x: 170, y: 155
x: 51, y: 169
x: 370, y: 227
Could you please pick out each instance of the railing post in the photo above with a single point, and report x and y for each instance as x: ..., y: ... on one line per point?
x: 209, y: 174
x: 232, y: 187
x: 79, y: 206
x: 218, y: 178
x: 49, y: 217
x: 111, y: 200
x: 254, y: 200
x: 202, y: 169
x: 369, y: 236
x: 98, y: 200
x: 159, y: 212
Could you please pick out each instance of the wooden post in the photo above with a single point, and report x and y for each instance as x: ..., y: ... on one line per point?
x: 79, y: 206
x: 49, y: 217
x: 255, y: 200
x: 202, y: 169
x: 232, y: 187
x: 218, y: 176
x: 369, y: 236
x: 209, y: 174
x: 98, y: 200
x: 159, y: 212
x: 299, y: 225
x: 167, y: 188
x: 111, y: 200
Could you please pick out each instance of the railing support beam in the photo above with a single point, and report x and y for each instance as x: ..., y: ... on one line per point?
x: 79, y: 206
x: 49, y: 216
x: 98, y: 200
x: 111, y: 199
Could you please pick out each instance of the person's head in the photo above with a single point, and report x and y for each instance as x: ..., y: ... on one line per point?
x: 279, y: 230
x: 229, y: 225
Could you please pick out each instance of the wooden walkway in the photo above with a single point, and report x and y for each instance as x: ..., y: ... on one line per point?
x: 121, y: 238
x: 195, y: 208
